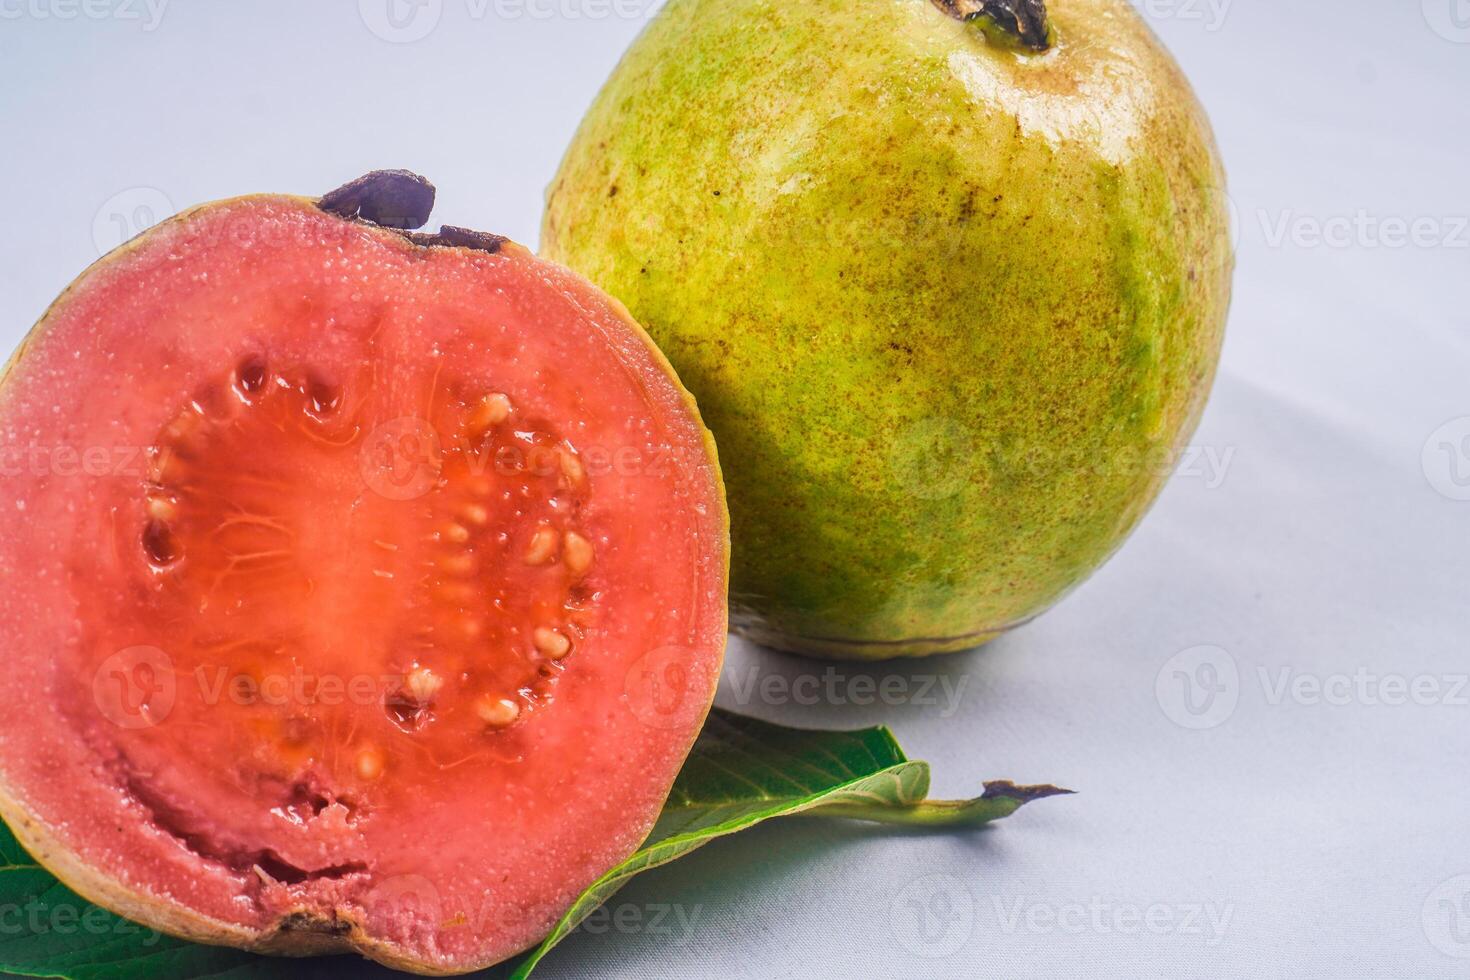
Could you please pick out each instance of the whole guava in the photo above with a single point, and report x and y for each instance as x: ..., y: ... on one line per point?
x: 948, y: 278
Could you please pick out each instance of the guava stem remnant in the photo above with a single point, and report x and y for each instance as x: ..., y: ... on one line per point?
x: 1023, y: 21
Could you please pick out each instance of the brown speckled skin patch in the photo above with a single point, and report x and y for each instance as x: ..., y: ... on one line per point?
x: 951, y: 316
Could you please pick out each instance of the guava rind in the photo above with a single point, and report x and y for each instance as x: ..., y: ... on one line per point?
x: 951, y: 310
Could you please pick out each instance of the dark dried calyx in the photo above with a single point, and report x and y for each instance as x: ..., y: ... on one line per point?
x: 1022, y: 21
x: 402, y: 201
x: 391, y: 198
x: 454, y: 236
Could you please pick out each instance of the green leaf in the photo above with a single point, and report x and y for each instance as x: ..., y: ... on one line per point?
x: 740, y: 773
x: 743, y: 771
x: 48, y: 931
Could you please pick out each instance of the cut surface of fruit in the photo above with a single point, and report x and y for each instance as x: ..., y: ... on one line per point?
x: 364, y: 589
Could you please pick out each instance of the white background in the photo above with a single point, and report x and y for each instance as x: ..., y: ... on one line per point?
x: 1321, y: 536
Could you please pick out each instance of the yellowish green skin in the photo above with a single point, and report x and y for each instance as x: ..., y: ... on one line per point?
x: 949, y: 307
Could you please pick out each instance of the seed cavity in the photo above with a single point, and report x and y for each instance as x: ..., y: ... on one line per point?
x: 322, y: 399
x: 497, y: 712
x: 159, y: 544
x: 577, y: 553
x: 215, y: 402
x: 453, y: 553
x: 543, y: 546
x: 405, y: 710
x: 551, y: 643
x: 251, y: 376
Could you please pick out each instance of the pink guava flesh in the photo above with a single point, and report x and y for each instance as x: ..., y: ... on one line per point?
x: 360, y: 594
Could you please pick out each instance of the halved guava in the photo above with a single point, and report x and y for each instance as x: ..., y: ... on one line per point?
x: 363, y: 589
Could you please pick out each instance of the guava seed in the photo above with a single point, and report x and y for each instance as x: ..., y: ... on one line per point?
x: 551, y: 643
x: 497, y: 712
x: 370, y: 763
x: 577, y: 553
x: 423, y: 684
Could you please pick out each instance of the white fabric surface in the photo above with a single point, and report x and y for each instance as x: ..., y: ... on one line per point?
x: 1293, y: 837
